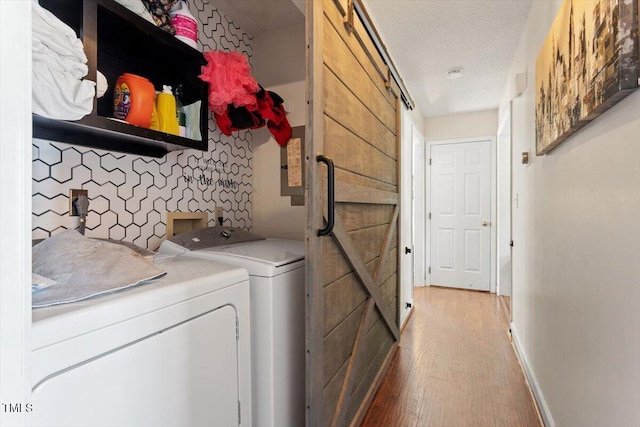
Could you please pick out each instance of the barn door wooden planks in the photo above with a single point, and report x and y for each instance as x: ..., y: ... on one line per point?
x: 352, y: 273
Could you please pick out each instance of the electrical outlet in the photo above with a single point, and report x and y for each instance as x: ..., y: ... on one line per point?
x: 219, y: 213
x: 73, y: 196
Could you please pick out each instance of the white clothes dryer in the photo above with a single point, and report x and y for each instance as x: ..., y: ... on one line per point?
x: 277, y: 281
x: 174, y: 352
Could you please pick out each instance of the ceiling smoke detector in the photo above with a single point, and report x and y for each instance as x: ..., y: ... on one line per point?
x: 454, y: 73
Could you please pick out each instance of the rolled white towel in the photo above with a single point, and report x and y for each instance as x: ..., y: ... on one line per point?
x: 59, y: 95
x: 55, y: 34
x: 40, y: 53
x: 59, y: 63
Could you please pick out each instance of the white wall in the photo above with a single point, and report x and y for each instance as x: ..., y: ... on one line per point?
x: 576, y: 259
x: 279, y: 56
x: 300, y: 4
x: 464, y: 125
x: 273, y: 215
x: 15, y: 219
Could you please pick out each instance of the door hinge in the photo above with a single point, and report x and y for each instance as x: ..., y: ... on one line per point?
x: 239, y: 416
x: 429, y: 215
x: 429, y: 160
x: 429, y: 270
x: 237, y: 329
x: 511, y: 243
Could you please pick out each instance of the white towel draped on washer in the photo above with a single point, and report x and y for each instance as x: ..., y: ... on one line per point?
x: 59, y: 64
x: 84, y: 268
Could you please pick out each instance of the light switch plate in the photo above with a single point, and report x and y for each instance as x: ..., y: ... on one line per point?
x: 219, y: 213
x: 73, y: 195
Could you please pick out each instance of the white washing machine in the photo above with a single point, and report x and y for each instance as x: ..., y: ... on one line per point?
x: 277, y: 281
x: 175, y: 352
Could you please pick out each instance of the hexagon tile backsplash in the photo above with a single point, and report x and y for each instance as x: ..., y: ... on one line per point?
x: 129, y: 194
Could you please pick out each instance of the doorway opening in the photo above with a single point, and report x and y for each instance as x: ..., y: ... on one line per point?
x: 461, y: 213
x: 504, y: 197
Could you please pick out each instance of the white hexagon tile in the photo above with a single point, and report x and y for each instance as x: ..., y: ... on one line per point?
x: 129, y: 194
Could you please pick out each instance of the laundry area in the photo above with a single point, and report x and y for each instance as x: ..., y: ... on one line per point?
x: 214, y: 214
x: 233, y: 212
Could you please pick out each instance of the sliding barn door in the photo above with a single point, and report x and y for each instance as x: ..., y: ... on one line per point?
x: 352, y: 282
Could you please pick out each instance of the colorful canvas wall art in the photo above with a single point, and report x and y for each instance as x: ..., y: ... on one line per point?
x: 588, y: 62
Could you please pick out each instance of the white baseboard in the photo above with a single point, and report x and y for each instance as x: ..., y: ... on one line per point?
x: 533, y: 382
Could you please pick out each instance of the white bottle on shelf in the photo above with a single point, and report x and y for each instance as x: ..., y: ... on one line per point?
x: 180, y: 113
x: 185, y: 24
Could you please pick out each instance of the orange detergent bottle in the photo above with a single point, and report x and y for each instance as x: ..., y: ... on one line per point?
x: 166, y: 110
x: 133, y: 98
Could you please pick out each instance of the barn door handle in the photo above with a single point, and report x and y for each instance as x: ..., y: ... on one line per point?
x: 348, y: 22
x: 331, y: 193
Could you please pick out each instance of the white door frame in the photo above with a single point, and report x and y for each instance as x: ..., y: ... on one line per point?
x: 492, y: 253
x: 405, y: 221
x: 15, y: 218
x: 418, y: 207
x: 503, y: 232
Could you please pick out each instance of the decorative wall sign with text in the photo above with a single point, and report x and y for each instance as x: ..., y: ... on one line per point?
x: 211, y: 173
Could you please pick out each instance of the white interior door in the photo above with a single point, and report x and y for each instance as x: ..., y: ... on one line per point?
x: 461, y: 215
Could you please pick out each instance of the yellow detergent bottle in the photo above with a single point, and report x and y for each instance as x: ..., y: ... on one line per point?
x: 166, y: 111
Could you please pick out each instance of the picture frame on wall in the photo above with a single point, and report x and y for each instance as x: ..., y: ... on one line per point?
x: 588, y: 62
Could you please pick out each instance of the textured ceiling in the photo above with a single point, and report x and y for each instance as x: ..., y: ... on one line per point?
x: 426, y: 38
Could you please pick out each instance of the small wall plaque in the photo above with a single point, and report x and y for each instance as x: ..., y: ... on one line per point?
x: 292, y: 167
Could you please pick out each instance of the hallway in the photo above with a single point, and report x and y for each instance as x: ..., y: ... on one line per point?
x: 455, y: 367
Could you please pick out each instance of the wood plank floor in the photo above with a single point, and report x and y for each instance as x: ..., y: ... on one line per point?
x: 455, y: 367
x: 506, y: 306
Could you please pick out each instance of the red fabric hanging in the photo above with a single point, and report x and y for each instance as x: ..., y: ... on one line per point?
x: 230, y: 81
x: 269, y: 110
x: 238, y: 101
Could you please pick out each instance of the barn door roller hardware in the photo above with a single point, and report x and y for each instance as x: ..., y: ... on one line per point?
x: 348, y: 23
x: 358, y: 7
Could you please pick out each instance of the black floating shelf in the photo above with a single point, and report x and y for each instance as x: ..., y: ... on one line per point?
x: 117, y: 41
x: 105, y: 134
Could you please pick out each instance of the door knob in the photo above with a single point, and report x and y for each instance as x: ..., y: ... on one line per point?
x: 485, y: 223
